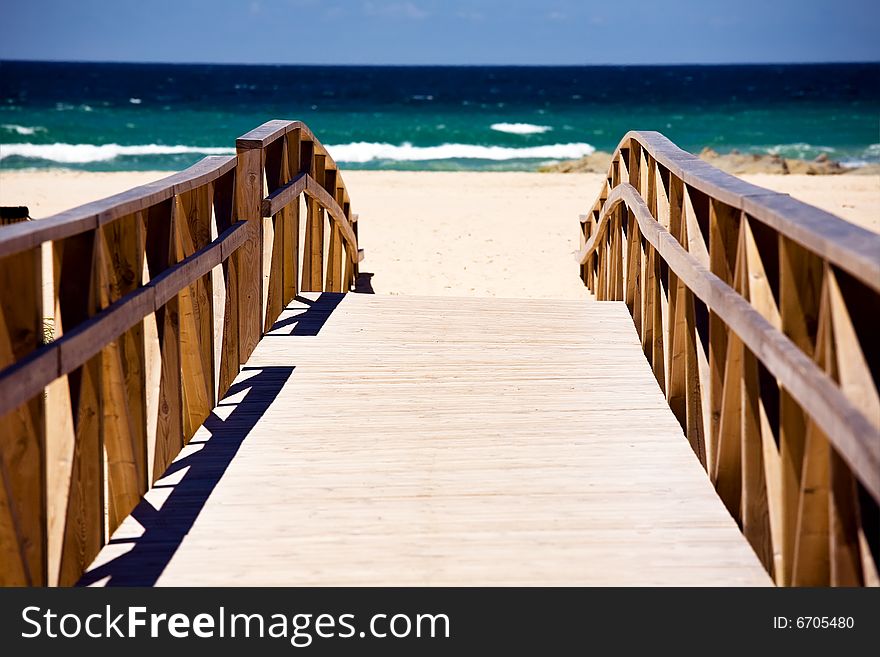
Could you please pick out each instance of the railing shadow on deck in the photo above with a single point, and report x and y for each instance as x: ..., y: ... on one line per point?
x: 204, y: 460
x: 307, y: 317
x: 154, y: 298
x: 203, y: 465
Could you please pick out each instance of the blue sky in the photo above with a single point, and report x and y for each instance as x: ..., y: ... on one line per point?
x: 442, y: 31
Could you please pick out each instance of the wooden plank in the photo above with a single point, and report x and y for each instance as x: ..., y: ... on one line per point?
x: 724, y: 238
x: 315, y: 234
x: 191, y: 221
x: 696, y: 373
x: 850, y: 365
x: 844, y: 527
x: 160, y: 254
x: 647, y: 276
x: 60, y: 449
x: 226, y: 290
x: 284, y: 195
x: 78, y: 300
x: 754, y: 503
x: 290, y: 221
x: 316, y: 228
x: 727, y: 464
x: 856, y: 439
x: 120, y: 267
x: 800, y: 290
x: 761, y: 253
x: 22, y: 430
x: 449, y: 482
x: 676, y: 353
x: 273, y: 236
x: 248, y: 197
x: 659, y: 301
x: 197, y: 316
x: 810, y: 561
x: 335, y: 253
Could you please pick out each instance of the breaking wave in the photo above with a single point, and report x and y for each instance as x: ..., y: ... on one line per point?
x: 84, y: 153
x: 359, y: 152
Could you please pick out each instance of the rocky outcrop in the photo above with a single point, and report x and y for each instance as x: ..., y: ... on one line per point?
x: 734, y: 162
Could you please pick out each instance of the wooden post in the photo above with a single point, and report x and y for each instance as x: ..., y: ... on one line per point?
x: 276, y: 175
x: 161, y: 253
x: 84, y: 524
x: 800, y: 283
x: 22, y: 431
x: 119, y: 265
x: 291, y: 222
x: 315, y: 233
x: 224, y: 190
x: 333, y: 280
x: 248, y: 198
x: 307, y: 163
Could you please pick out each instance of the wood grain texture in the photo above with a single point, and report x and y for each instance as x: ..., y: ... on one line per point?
x: 853, y: 435
x: 444, y: 441
x: 87, y: 217
x: 161, y: 292
x: 849, y: 247
x: 120, y: 267
x: 22, y: 430
x: 78, y: 298
x: 787, y: 423
x: 248, y: 198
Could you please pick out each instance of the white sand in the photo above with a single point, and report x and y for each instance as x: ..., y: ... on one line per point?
x: 460, y: 234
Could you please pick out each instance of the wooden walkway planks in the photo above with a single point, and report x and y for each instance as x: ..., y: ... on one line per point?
x: 437, y: 441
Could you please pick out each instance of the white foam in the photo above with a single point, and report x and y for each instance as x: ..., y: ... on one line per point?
x: 22, y: 129
x: 521, y: 128
x: 362, y: 151
x: 357, y: 152
x: 798, y: 149
x: 83, y: 153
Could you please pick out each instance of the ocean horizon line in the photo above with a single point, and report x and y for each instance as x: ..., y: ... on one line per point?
x: 436, y: 65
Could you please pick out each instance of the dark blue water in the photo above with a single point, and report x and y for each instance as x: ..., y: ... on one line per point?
x: 159, y: 116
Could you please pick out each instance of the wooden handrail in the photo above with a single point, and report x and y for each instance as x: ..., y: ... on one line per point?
x: 304, y: 183
x: 91, y: 215
x: 845, y: 245
x: 157, y: 296
x: 295, y: 163
x: 848, y: 430
x: 753, y: 311
x: 29, y: 376
x: 285, y: 195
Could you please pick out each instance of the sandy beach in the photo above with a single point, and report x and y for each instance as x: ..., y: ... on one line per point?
x: 460, y: 234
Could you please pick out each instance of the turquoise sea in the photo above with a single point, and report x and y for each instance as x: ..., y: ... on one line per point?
x: 160, y: 116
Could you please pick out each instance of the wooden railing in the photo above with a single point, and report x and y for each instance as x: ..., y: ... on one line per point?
x: 295, y: 164
x: 154, y: 299
x: 757, y: 314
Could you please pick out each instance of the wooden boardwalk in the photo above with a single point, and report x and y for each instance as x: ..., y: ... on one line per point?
x: 376, y: 440
x: 404, y: 440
